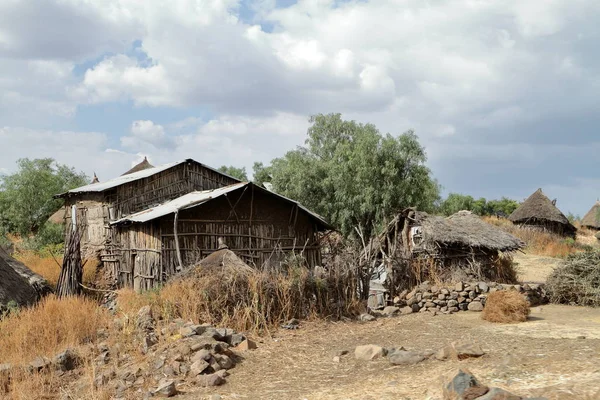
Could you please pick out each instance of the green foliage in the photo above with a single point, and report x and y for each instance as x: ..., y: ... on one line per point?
x: 456, y: 202
x: 353, y: 175
x: 50, y: 238
x: 573, y: 218
x: 26, y: 196
x: 238, y: 173
x: 261, y: 173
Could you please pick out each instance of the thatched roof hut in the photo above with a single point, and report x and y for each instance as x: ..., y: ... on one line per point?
x: 592, y: 218
x: 58, y: 217
x: 418, y: 246
x: 541, y: 212
x: 19, y: 284
x: 464, y: 229
x: 138, y: 167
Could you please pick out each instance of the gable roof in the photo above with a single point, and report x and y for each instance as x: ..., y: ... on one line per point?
x: 592, y: 218
x: 140, y: 167
x: 132, y: 177
x: 538, y: 207
x: 196, y: 198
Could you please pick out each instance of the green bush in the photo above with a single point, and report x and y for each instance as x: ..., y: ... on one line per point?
x: 50, y: 238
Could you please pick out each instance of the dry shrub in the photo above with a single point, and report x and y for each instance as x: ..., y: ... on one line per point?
x: 254, y: 301
x: 506, y: 306
x: 48, y: 266
x: 576, y: 280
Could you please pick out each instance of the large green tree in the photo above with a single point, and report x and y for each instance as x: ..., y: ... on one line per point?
x: 456, y: 202
x: 238, y: 173
x: 353, y: 175
x: 26, y: 196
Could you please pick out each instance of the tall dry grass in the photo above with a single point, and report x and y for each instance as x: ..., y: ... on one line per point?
x: 254, y: 301
x: 540, y: 242
x: 49, y: 267
x: 49, y: 327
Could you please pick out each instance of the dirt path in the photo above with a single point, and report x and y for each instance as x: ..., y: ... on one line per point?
x: 555, y: 354
x: 534, y: 268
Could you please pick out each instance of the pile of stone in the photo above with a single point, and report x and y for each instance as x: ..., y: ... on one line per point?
x: 401, y: 356
x: 182, y: 355
x: 461, y: 296
x: 464, y: 386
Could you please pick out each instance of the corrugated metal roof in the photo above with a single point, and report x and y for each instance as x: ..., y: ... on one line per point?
x: 123, y: 179
x: 196, y: 198
x: 181, y: 203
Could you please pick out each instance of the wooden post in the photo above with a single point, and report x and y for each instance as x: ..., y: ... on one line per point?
x: 177, y: 249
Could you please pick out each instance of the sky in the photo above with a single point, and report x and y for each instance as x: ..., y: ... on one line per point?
x: 504, y: 94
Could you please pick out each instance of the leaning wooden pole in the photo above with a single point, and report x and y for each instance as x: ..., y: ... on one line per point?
x: 71, y: 273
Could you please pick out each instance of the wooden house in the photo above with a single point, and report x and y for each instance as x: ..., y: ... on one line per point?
x: 151, y: 223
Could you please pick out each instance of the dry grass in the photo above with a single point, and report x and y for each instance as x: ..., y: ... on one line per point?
x: 505, y: 307
x: 49, y: 327
x: 540, y: 242
x: 47, y: 266
x: 45, y: 330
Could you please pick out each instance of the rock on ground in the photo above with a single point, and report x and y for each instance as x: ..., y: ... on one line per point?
x: 403, y: 357
x: 166, y: 388
x: 468, y: 350
x: 369, y: 352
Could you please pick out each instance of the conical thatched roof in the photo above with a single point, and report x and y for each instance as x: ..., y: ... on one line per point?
x: 18, y: 283
x: 538, y: 207
x: 58, y: 217
x: 592, y: 218
x: 140, y: 167
x: 465, y: 229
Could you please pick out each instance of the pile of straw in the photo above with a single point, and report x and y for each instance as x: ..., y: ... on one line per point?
x: 505, y: 307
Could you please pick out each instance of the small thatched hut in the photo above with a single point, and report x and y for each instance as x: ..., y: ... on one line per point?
x: 592, y: 218
x: 538, y: 211
x: 416, y: 246
x: 18, y: 284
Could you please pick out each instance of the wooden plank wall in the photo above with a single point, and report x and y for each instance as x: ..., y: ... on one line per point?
x: 164, y: 186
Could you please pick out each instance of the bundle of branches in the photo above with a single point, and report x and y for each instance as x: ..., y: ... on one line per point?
x: 577, y: 280
x: 71, y: 273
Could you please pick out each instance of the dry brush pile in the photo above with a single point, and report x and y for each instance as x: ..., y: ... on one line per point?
x: 577, y: 280
x: 251, y: 300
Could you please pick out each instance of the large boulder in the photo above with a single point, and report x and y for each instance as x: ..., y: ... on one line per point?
x: 19, y: 285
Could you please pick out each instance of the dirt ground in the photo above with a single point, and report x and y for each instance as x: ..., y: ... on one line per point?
x: 533, y: 268
x: 556, y: 354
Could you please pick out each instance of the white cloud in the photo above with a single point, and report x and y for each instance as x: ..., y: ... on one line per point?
x: 147, y: 135
x: 495, y: 77
x: 86, y: 151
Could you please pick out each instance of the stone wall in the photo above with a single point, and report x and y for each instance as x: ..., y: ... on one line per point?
x: 462, y: 296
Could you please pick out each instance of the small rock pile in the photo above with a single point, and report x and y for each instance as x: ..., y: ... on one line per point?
x: 401, y: 356
x: 464, y: 386
x: 459, y: 297
x: 191, y: 355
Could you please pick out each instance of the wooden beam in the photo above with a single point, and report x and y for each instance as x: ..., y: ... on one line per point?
x: 179, y: 260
